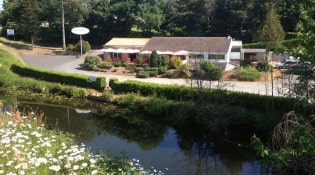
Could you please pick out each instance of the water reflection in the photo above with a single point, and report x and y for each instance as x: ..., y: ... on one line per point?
x: 184, y: 151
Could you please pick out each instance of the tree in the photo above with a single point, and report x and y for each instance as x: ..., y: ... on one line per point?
x: 109, y: 19
x: 149, y: 16
x: 271, y: 31
x: 75, y: 13
x: 188, y: 17
x: 23, y: 16
x: 154, y: 59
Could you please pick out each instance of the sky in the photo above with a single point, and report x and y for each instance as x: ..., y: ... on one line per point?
x: 1, y: 1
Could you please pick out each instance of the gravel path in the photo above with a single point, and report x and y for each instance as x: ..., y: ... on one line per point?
x: 71, y: 64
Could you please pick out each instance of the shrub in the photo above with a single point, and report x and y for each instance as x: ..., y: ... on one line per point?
x: 184, y: 70
x: 143, y: 74
x: 162, y: 70
x: 248, y: 74
x: 71, y: 47
x: 154, y: 59
x: 86, y: 47
x: 163, y: 60
x: 263, y: 67
x: 212, y: 72
x: 139, y: 60
x: 117, y: 64
x: 132, y: 100
x: 91, y: 62
x: 175, y: 62
x: 105, y: 65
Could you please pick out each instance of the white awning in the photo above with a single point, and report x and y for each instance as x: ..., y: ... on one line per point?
x: 181, y: 52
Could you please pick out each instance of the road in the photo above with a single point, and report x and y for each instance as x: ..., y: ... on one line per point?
x: 71, y: 64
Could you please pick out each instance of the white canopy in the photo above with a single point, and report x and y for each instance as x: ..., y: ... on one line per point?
x: 121, y: 50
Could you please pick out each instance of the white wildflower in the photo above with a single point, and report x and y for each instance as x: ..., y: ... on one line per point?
x: 55, y: 168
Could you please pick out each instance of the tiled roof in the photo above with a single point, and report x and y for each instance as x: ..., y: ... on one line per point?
x: 191, y: 44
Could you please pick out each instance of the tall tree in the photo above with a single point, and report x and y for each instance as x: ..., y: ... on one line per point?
x: 149, y: 16
x: 306, y: 32
x: 24, y: 16
x: 75, y: 12
x: 271, y: 31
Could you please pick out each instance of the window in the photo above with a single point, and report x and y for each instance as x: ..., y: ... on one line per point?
x: 215, y: 57
x: 196, y: 56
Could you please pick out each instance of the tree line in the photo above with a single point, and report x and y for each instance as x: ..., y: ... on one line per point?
x: 41, y: 20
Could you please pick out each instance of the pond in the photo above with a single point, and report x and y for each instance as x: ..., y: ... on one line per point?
x: 183, y: 151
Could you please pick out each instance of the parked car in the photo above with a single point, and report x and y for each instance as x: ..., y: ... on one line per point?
x: 286, y: 63
x: 304, y: 68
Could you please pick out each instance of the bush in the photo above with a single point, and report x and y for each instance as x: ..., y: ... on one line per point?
x: 86, y: 47
x: 248, y: 74
x: 71, y: 47
x: 175, y: 62
x: 263, y: 67
x: 162, y: 70
x: 143, y: 74
x: 105, y: 65
x: 212, y: 72
x: 184, y: 71
x: 91, y: 62
x: 154, y: 59
x: 117, y: 64
x: 163, y: 60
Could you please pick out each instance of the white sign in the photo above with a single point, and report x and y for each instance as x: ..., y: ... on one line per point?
x: 80, y: 30
x: 10, y: 31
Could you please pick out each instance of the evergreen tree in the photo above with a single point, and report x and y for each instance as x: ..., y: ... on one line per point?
x: 154, y: 59
x: 271, y: 31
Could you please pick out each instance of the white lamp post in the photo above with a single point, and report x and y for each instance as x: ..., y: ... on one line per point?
x: 80, y: 31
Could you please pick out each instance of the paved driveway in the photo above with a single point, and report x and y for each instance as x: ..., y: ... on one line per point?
x: 71, y: 64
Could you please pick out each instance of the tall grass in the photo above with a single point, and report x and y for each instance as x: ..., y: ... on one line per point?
x: 26, y: 147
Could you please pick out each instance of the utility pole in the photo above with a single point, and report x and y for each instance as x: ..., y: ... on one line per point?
x: 63, y: 26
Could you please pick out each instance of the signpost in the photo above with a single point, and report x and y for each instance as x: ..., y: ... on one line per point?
x: 80, y: 31
x: 10, y: 32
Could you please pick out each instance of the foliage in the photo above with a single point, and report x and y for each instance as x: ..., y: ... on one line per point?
x: 71, y: 47
x: 149, y: 16
x: 51, y: 151
x: 105, y: 65
x: 184, y: 70
x: 58, y: 77
x: 154, y: 59
x: 211, y: 71
x: 263, y: 67
x: 271, y: 31
x: 86, y: 47
x: 106, y: 19
x: 148, y: 72
x: 163, y: 60
x: 293, y: 146
x: 130, y: 100
x: 143, y: 74
x: 248, y: 74
x: 175, y: 62
x: 91, y: 62
x: 175, y: 92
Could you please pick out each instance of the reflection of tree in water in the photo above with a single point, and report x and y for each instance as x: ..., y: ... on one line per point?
x: 210, y: 155
x: 147, y: 134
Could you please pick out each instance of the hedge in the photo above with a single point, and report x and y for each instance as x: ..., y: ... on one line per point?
x: 64, y: 78
x: 217, y: 96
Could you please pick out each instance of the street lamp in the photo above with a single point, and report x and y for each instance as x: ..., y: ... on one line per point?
x: 80, y: 31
